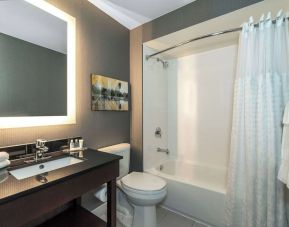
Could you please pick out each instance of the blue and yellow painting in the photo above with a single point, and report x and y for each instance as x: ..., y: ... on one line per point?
x: 108, y: 94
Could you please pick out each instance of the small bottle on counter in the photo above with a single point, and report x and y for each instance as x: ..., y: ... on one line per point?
x: 76, y: 143
x: 81, y: 143
x: 71, y: 145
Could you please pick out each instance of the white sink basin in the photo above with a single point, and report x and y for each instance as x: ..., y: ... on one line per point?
x: 36, y: 169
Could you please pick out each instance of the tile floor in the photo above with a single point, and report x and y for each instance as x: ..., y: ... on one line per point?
x: 166, y: 218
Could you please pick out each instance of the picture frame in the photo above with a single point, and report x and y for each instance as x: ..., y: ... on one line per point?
x: 108, y: 94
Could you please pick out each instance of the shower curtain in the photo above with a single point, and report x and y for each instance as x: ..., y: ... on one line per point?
x: 255, y: 198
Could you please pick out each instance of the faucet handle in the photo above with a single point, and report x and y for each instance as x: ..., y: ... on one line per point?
x: 163, y: 150
x: 40, y: 143
x: 44, y: 149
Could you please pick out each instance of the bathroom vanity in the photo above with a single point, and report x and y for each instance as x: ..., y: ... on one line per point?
x: 22, y: 202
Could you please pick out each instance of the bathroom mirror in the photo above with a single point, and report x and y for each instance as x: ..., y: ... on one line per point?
x: 37, y: 64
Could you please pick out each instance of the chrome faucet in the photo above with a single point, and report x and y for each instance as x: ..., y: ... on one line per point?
x: 163, y: 150
x: 40, y: 149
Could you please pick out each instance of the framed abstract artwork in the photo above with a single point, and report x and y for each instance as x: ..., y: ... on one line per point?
x: 108, y: 94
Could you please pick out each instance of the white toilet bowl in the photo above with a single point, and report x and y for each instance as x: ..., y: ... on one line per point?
x: 144, y: 191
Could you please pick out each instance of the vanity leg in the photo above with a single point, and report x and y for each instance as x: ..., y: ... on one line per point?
x: 111, y: 203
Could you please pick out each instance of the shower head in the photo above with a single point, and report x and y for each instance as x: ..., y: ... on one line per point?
x: 165, y: 63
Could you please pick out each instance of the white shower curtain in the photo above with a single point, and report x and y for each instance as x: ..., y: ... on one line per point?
x: 254, y: 195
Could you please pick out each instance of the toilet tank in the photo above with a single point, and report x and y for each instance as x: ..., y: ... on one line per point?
x: 123, y: 150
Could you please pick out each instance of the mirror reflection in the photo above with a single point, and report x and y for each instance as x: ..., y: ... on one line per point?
x: 33, y: 61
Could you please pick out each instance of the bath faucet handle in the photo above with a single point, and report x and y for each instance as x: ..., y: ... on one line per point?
x: 163, y: 150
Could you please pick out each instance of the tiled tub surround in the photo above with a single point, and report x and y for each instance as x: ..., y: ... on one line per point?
x: 197, y: 129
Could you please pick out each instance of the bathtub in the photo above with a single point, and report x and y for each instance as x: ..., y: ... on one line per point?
x: 194, y: 191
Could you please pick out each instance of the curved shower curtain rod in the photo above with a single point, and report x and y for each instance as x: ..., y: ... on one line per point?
x: 203, y: 37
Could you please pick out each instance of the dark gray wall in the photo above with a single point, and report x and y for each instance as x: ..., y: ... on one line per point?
x: 189, y: 15
x: 102, y: 48
x: 28, y: 75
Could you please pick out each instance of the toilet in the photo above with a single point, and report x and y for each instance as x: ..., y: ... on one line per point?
x: 142, y: 190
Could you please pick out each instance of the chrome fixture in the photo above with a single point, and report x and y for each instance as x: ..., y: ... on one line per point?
x: 42, y: 178
x: 158, y: 132
x: 39, y: 152
x: 40, y: 149
x: 202, y: 37
x: 163, y: 150
x: 165, y: 63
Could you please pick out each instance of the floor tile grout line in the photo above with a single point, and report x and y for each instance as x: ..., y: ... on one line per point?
x: 167, y: 213
x: 163, y: 218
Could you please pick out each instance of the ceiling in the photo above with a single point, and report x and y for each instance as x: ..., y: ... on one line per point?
x: 133, y: 13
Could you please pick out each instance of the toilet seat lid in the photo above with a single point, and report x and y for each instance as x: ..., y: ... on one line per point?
x: 143, y: 182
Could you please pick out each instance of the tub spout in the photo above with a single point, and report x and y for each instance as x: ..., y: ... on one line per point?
x: 163, y: 150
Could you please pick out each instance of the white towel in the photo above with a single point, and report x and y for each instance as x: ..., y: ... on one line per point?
x: 101, y: 193
x: 3, y: 156
x: 4, y: 163
x: 283, y: 174
x: 286, y: 114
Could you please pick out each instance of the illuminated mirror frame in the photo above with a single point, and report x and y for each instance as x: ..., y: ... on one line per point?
x: 18, y: 122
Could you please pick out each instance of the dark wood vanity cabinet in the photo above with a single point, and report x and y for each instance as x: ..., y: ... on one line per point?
x: 25, y: 209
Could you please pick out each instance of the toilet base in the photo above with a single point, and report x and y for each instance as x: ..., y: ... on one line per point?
x: 144, y: 216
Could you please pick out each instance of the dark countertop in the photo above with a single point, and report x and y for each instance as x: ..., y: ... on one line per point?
x: 11, y: 188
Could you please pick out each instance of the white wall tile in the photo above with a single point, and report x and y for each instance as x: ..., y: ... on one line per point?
x: 192, y: 102
x: 155, y: 108
x: 204, y: 90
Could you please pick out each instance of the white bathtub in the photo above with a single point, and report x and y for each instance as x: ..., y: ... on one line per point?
x: 195, y: 191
